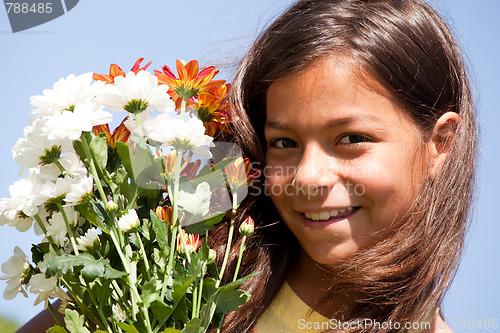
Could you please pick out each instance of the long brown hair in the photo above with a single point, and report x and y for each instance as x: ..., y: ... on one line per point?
x: 407, y: 48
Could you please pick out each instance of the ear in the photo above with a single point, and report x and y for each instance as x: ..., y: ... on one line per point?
x: 441, y: 140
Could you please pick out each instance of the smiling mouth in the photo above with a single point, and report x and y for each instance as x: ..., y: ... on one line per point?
x: 334, y: 213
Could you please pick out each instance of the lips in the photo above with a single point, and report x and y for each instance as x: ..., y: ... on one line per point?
x: 327, y: 215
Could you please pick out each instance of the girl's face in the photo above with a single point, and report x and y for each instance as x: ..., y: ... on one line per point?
x: 342, y: 163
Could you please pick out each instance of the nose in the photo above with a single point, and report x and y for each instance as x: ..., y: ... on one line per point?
x: 316, y: 170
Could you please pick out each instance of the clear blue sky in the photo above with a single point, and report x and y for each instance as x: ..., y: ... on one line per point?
x: 97, y: 33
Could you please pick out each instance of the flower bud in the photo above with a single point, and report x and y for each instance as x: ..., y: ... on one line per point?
x: 247, y: 227
x: 111, y: 207
x: 129, y: 221
x: 212, y: 255
x: 192, y: 242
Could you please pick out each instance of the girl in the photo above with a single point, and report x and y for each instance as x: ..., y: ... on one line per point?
x: 361, y: 112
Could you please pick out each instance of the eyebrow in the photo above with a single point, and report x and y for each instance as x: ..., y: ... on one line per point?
x: 331, y: 123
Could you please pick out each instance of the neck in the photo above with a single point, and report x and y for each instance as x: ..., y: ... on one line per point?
x: 310, y: 280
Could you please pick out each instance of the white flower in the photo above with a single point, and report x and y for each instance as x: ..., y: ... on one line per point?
x: 65, y: 94
x: 57, y: 189
x: 44, y: 288
x: 78, y: 189
x: 128, y: 221
x: 88, y: 240
x: 15, y: 269
x: 174, y: 132
x: 29, y: 150
x: 22, y: 206
x: 197, y: 203
x: 71, y: 163
x: 118, y: 313
x: 141, y: 86
x: 69, y: 125
x: 57, y: 227
x: 131, y: 124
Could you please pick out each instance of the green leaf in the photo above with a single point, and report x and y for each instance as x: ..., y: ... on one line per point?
x: 74, y: 322
x: 205, y: 225
x: 160, y: 309
x: 99, y: 150
x: 178, y: 293
x: 194, y: 326
x: 161, y: 230
x: 89, y: 213
x: 171, y: 330
x: 119, y: 176
x: 149, y: 292
x: 227, y: 298
x: 92, y: 268
x: 146, y: 167
x: 56, y: 329
x: 78, y: 146
x: 124, y: 152
x: 128, y: 328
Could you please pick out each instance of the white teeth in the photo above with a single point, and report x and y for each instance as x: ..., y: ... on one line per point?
x: 323, y: 216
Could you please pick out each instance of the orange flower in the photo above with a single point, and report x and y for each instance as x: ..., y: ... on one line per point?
x: 240, y: 174
x: 165, y: 214
x: 193, y: 242
x: 190, y: 83
x: 115, y: 70
x: 211, y: 109
x: 120, y: 134
x: 187, y: 169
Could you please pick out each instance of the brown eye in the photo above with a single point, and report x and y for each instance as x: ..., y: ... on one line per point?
x: 352, y: 139
x: 284, y: 143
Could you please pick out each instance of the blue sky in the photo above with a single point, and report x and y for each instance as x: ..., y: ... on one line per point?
x: 97, y: 33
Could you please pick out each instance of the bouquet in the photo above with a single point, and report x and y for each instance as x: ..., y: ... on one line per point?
x: 125, y: 215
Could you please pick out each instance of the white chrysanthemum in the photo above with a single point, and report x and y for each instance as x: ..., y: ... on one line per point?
x: 174, y: 132
x: 29, y: 150
x: 15, y: 269
x: 69, y: 125
x: 71, y: 163
x: 78, y: 189
x: 88, y: 240
x: 44, y: 288
x: 118, y: 313
x: 131, y: 124
x: 56, y: 227
x: 141, y: 86
x: 57, y: 189
x: 65, y: 94
x: 22, y: 206
x: 128, y: 221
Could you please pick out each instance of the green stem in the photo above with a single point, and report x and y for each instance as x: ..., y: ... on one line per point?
x: 144, y: 256
x: 138, y: 127
x: 59, y: 166
x: 198, y: 309
x: 93, y: 170
x: 68, y: 228
x: 195, y: 301
x: 56, y: 317
x: 183, y: 108
x: 101, y: 314
x: 240, y: 255
x: 229, y: 241
x: 135, y: 293
x: 51, y: 241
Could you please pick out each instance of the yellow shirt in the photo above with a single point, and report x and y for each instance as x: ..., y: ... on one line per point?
x: 288, y: 313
